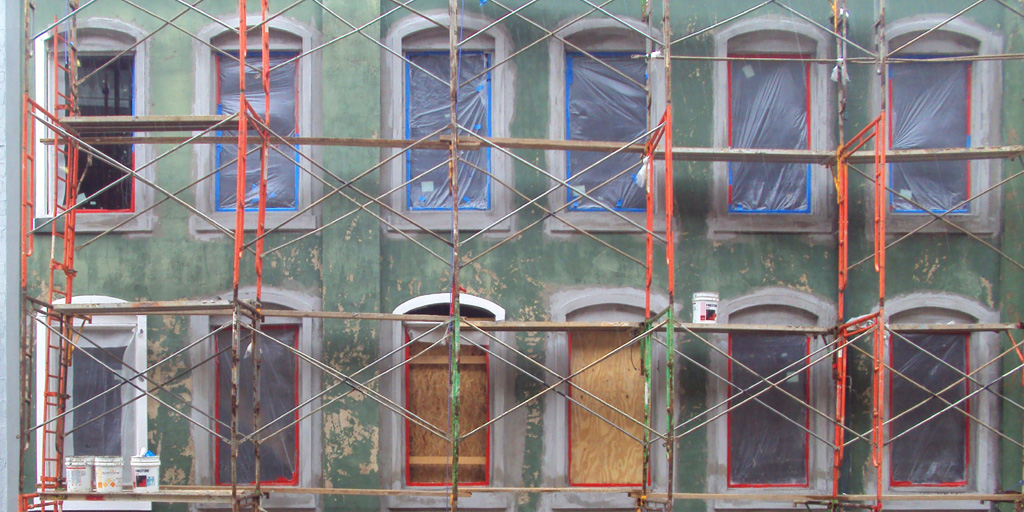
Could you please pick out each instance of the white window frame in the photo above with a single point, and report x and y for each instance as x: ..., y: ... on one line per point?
x: 134, y: 419
x: 958, y: 37
x: 786, y: 36
x: 599, y: 35
x: 772, y: 306
x: 423, y: 33
x: 285, y: 35
x: 105, y: 37
x: 589, y: 305
x: 982, y: 466
x: 506, y: 455
x: 310, y: 452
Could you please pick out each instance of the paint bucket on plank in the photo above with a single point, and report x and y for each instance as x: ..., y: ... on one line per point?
x: 78, y: 471
x: 146, y: 473
x: 108, y: 474
x: 705, y: 307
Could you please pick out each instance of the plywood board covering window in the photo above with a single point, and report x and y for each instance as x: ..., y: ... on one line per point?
x: 427, y: 396
x: 600, y: 453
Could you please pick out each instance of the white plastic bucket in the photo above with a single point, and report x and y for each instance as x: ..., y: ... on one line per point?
x: 108, y: 474
x: 79, y: 473
x: 146, y: 473
x: 705, y: 307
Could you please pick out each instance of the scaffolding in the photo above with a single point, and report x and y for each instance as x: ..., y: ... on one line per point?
x: 62, y: 320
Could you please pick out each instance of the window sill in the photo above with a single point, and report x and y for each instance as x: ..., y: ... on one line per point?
x: 98, y: 222
x: 732, y: 224
x: 603, y: 222
x: 441, y: 221
x: 975, y: 223
x: 305, y: 222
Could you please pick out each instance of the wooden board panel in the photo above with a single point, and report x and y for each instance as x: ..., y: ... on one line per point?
x: 428, y: 390
x: 600, y: 453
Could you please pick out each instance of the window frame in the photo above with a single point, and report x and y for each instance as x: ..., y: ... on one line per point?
x: 597, y: 36
x: 772, y: 306
x: 310, y: 341
x: 982, y: 445
x: 422, y: 34
x: 99, y: 37
x: 505, y: 458
x: 286, y: 35
x: 960, y: 37
x: 593, y: 304
x: 139, y: 408
x: 786, y: 37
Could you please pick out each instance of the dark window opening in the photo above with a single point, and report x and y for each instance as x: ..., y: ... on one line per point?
x: 279, y: 454
x: 97, y: 424
x: 107, y: 92
x: 766, y: 444
x: 929, y: 438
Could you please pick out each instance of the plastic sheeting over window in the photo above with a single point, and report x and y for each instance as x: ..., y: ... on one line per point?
x: 606, y: 105
x: 282, y: 170
x: 427, y: 111
x: 95, y: 431
x: 769, y: 109
x: 930, y: 110
x: 278, y: 395
x: 933, y: 452
x: 766, y: 444
x: 107, y: 92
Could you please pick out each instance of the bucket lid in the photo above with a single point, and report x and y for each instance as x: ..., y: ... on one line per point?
x: 109, y: 461
x: 144, y: 459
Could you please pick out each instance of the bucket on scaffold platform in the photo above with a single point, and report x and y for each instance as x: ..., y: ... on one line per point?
x: 146, y: 473
x: 108, y: 474
x: 79, y: 472
x: 705, y: 308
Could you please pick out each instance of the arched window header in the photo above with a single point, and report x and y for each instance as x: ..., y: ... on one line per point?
x: 434, y: 299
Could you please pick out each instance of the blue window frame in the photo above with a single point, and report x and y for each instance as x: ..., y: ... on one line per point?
x: 282, y: 172
x: 605, y: 101
x: 769, y: 108
x: 930, y: 108
x: 426, y: 112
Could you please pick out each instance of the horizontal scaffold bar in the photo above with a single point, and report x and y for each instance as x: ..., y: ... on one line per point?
x: 91, y: 126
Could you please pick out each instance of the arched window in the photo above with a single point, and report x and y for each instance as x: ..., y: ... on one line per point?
x: 602, y: 62
x: 936, y: 441
x: 591, y: 443
x: 290, y: 451
x: 943, y: 104
x: 415, y: 104
x: 113, y: 64
x: 294, y: 90
x: 777, y: 102
x: 774, y: 389
x: 412, y: 455
x: 107, y: 417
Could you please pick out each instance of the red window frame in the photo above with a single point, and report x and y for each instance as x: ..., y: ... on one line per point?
x: 889, y: 123
x: 807, y: 82
x: 569, y: 435
x: 807, y: 424
x: 967, y: 423
x: 487, y: 432
x: 294, y: 480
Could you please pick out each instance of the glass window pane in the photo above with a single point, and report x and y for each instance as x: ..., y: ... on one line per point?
x: 108, y: 90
